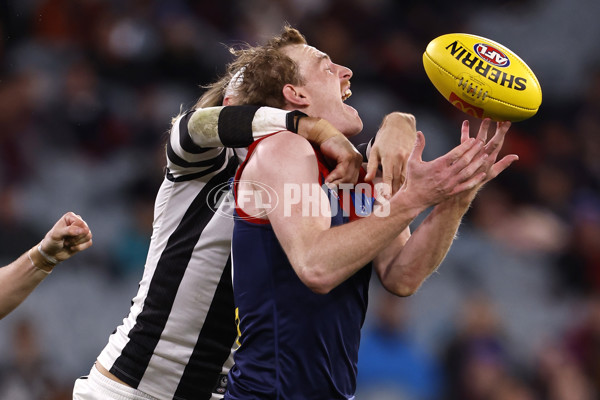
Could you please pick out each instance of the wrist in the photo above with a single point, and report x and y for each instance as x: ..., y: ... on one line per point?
x: 317, y: 130
x: 407, y: 204
x: 459, y: 204
x: 39, y: 261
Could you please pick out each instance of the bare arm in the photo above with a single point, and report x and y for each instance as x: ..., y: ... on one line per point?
x: 69, y: 235
x: 403, y: 267
x: 324, y: 256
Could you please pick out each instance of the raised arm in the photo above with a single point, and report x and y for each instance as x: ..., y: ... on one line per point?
x: 389, y: 149
x: 68, y: 236
x: 238, y: 126
x: 403, y: 266
x: 324, y: 256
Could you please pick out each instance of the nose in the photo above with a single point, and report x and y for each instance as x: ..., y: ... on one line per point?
x: 345, y: 73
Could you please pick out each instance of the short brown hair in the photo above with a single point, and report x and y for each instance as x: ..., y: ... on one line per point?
x: 266, y: 69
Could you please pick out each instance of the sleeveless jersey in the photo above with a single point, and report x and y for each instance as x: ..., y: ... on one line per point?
x: 295, y: 344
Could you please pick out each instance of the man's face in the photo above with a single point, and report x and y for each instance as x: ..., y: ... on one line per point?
x: 326, y: 87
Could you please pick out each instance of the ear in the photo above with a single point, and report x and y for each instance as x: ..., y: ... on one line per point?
x: 295, y: 95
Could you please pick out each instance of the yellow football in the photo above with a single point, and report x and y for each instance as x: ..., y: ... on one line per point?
x: 482, y: 77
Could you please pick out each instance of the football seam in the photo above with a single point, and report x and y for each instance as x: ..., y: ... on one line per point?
x: 490, y: 97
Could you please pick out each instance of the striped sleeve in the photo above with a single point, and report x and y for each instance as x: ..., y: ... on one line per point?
x: 234, y: 126
x: 186, y: 158
x: 199, y: 138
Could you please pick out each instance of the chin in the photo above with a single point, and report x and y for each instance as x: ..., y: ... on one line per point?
x: 353, y: 124
x: 354, y: 132
x: 355, y: 128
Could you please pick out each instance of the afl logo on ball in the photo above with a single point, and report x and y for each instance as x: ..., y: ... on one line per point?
x: 492, y: 55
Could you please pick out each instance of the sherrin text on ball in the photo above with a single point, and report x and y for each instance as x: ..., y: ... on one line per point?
x: 482, y: 78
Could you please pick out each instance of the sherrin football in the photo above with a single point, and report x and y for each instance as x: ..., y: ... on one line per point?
x: 482, y: 77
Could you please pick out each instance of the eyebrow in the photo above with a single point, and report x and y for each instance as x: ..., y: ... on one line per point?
x: 323, y: 57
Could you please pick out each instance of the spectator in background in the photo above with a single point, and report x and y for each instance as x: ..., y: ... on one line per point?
x: 582, y: 342
x: 579, y: 264
x: 391, y: 363
x: 131, y: 244
x: 475, y: 358
x: 28, y: 375
x: 559, y: 376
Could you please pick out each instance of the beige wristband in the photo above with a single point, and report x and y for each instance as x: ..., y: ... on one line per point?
x: 321, y: 131
x: 41, y: 260
x: 47, y: 272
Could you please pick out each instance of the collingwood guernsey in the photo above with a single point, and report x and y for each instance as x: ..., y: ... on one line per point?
x: 177, y: 340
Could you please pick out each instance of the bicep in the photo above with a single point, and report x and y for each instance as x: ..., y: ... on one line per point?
x: 305, y: 213
x: 286, y: 163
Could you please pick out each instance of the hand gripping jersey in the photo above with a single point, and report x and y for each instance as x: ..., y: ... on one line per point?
x: 294, y: 343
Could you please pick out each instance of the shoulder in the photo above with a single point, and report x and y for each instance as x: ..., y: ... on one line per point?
x: 284, y: 145
x: 285, y: 141
x: 284, y: 153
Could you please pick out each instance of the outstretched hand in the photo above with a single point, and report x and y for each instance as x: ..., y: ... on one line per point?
x: 492, y: 147
x: 67, y: 237
x: 460, y: 173
x: 459, y: 170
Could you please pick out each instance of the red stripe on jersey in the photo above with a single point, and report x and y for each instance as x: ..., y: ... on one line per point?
x: 245, y: 216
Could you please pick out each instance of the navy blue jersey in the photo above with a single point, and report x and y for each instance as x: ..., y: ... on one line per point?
x: 295, y: 344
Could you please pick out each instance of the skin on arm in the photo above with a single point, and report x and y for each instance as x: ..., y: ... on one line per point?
x: 324, y: 256
x: 68, y: 236
x: 403, y: 267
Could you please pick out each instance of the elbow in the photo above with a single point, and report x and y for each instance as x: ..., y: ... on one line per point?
x: 404, y: 286
x: 315, y: 278
x: 402, y: 290
x: 404, y: 278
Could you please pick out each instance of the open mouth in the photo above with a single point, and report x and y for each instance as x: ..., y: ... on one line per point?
x: 346, y: 93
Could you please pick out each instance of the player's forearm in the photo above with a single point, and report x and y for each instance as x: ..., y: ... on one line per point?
x: 17, y: 281
x: 239, y: 126
x: 425, y: 249
x: 233, y: 126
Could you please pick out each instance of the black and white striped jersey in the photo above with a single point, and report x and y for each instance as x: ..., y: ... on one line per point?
x: 178, y: 338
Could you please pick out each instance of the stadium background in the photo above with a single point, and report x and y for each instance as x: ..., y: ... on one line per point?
x: 87, y: 90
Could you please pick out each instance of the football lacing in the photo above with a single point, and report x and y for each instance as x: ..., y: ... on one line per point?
x: 472, y: 90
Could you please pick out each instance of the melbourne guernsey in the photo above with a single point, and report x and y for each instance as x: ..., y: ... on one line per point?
x: 295, y: 344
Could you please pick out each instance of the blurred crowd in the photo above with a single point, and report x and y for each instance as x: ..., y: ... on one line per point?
x: 87, y: 92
